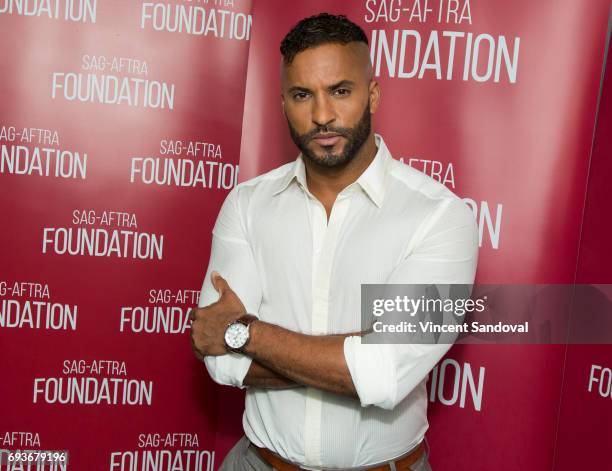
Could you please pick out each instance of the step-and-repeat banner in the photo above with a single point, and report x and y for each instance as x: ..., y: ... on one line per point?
x: 497, y: 100
x: 120, y: 126
x: 586, y: 407
x: 122, y: 129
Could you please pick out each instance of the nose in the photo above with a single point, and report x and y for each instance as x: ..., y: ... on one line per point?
x: 323, y: 112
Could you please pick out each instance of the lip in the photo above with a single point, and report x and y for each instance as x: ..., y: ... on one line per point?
x: 326, y: 139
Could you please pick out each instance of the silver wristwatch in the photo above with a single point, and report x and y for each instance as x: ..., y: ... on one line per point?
x: 237, y: 333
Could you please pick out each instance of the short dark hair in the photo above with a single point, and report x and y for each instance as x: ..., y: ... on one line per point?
x: 316, y: 30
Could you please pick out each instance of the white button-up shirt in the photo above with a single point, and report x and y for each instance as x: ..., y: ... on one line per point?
x: 292, y: 267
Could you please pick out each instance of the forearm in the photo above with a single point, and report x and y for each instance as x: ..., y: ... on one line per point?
x: 310, y: 360
x: 259, y: 376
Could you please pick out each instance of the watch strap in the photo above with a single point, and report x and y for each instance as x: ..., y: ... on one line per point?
x: 246, y: 319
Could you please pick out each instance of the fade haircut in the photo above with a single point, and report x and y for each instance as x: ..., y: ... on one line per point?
x: 316, y: 30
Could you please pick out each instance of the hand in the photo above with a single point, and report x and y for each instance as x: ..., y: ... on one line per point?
x: 209, y: 323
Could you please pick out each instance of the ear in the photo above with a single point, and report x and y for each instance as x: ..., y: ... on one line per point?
x: 374, y: 91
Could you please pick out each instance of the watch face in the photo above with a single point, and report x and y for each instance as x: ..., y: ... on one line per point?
x: 236, y: 335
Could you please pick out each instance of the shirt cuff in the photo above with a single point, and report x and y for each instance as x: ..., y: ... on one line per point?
x: 228, y: 369
x: 372, y: 371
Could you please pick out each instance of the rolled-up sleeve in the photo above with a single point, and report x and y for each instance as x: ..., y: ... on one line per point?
x: 232, y: 257
x: 445, y: 252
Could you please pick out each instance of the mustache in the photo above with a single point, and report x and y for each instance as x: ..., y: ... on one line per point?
x: 344, y: 132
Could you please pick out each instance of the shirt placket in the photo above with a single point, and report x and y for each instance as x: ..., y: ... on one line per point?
x: 324, y: 239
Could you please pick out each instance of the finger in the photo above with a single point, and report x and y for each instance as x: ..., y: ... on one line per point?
x: 194, y: 348
x: 193, y: 314
x: 219, y: 283
x: 213, y: 279
x: 196, y: 352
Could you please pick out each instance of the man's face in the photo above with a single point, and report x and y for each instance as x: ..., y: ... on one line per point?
x: 328, y: 97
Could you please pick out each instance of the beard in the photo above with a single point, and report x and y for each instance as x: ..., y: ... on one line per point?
x: 355, y: 137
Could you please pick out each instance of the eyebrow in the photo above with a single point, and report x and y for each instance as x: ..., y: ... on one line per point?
x: 335, y: 86
x: 341, y: 84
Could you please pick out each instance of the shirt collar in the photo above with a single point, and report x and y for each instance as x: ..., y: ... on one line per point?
x: 372, y: 180
x: 297, y: 173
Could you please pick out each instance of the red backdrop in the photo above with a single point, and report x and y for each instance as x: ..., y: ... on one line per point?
x: 162, y: 110
x: 127, y: 309
x: 517, y: 149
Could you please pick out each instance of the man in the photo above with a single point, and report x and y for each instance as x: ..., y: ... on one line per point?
x: 292, y: 248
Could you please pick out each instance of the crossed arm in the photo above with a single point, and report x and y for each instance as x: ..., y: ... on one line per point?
x: 275, y: 357
x: 281, y: 358
x: 299, y: 359
x: 259, y: 376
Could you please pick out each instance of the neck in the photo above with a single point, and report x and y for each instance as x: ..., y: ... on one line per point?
x: 325, y: 183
